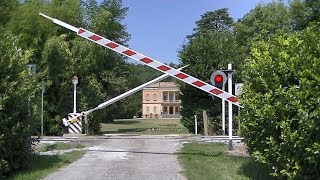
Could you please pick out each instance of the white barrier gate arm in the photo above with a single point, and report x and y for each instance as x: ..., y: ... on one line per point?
x: 149, y: 62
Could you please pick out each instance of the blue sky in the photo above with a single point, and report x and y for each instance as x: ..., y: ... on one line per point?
x: 158, y: 27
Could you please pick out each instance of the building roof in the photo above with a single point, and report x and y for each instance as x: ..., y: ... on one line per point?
x: 163, y: 85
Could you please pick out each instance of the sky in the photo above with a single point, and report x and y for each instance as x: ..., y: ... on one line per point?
x: 159, y: 28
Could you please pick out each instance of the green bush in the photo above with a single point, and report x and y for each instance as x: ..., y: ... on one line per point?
x: 16, y: 97
x: 281, y: 114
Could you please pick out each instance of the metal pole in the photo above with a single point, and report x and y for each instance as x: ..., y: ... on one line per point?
x: 86, y: 131
x: 74, y: 98
x: 239, y: 118
x: 42, y: 92
x: 223, y: 115
x: 230, y: 146
x: 195, y: 125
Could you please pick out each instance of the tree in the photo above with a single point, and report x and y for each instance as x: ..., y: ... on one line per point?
x: 210, y: 48
x: 218, y: 20
x: 16, y: 91
x: 6, y: 8
x: 102, y: 73
x: 111, y: 69
x: 57, y: 72
x: 262, y: 21
x: 304, y: 13
x: 281, y: 99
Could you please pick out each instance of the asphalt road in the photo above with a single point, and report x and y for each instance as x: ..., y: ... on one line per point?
x: 126, y: 157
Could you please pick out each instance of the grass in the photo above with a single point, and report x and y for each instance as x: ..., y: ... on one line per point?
x: 209, y: 161
x: 58, y: 146
x: 41, y: 166
x: 144, y: 126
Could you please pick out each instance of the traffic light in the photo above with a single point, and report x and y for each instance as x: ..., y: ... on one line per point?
x: 218, y: 79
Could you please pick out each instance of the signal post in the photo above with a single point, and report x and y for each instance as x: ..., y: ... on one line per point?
x: 219, y: 79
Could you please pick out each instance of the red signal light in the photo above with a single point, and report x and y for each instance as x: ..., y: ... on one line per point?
x: 218, y: 79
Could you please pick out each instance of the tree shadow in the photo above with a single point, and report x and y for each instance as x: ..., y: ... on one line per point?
x: 255, y: 170
x: 40, y: 162
x: 125, y: 122
x: 160, y: 153
x: 133, y: 130
x: 125, y: 130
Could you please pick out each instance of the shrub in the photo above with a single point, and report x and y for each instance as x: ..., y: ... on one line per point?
x: 16, y: 119
x: 281, y: 115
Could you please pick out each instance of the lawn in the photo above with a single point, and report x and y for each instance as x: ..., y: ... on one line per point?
x: 42, y: 165
x: 209, y: 161
x: 144, y: 126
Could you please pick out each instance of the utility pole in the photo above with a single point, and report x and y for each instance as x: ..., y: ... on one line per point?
x: 42, y: 92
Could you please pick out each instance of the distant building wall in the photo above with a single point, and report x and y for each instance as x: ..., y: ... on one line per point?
x: 161, y: 100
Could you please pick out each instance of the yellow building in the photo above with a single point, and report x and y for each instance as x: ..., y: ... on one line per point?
x: 161, y: 100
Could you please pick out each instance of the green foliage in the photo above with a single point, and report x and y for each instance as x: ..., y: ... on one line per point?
x: 262, y: 21
x: 16, y: 94
x: 218, y: 20
x: 59, y: 56
x: 57, y: 70
x: 6, y: 7
x: 304, y: 13
x: 281, y: 99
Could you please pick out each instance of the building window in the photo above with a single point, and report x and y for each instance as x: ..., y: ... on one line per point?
x: 148, y: 97
x: 171, y: 110
x: 154, y: 110
x: 165, y: 109
x: 171, y: 96
x: 154, y: 97
x: 165, y: 95
x: 147, y: 110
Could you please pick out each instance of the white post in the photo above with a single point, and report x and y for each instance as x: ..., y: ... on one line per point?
x: 195, y: 125
x: 230, y: 146
x: 223, y: 115
x: 74, y: 82
x: 74, y: 98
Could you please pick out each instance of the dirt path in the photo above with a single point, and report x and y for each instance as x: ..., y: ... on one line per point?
x: 127, y: 157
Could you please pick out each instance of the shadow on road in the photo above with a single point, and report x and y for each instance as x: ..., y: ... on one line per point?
x: 159, y: 153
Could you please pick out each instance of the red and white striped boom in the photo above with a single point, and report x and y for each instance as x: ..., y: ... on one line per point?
x: 149, y: 62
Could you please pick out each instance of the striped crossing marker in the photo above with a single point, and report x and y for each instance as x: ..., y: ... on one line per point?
x: 74, y: 123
